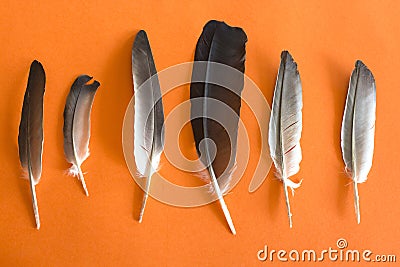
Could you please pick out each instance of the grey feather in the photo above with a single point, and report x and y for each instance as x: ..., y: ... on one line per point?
x: 30, y: 137
x: 149, y: 112
x: 358, y: 127
x: 77, y: 124
x: 286, y: 124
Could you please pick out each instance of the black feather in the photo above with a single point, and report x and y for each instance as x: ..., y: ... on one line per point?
x: 215, y: 94
x: 30, y: 137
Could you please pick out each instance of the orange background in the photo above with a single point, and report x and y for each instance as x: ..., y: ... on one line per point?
x: 95, y: 37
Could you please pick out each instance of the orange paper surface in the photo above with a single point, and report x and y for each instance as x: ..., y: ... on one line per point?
x: 95, y: 37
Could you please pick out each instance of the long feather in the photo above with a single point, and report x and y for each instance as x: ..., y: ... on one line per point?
x: 286, y: 124
x: 30, y: 138
x: 215, y: 110
x: 149, y: 113
x: 358, y: 128
x: 77, y: 124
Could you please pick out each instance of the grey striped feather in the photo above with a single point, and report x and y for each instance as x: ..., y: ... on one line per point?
x: 286, y: 124
x: 358, y: 128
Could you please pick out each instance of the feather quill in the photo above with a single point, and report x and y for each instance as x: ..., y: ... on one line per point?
x: 286, y: 124
x: 77, y: 124
x: 30, y: 137
x: 149, y: 113
x: 215, y: 110
x: 358, y: 128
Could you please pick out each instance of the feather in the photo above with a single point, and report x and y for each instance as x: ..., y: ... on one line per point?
x: 285, y: 125
x: 77, y: 124
x: 30, y: 137
x: 149, y: 113
x: 358, y: 128
x: 215, y: 110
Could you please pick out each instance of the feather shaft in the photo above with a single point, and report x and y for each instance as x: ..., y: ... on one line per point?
x: 82, y: 179
x: 222, y: 202
x: 146, y: 194
x: 285, y: 187
x: 34, y: 201
x: 356, y: 202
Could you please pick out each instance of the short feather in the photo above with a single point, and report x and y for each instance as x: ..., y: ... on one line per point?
x: 76, y: 127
